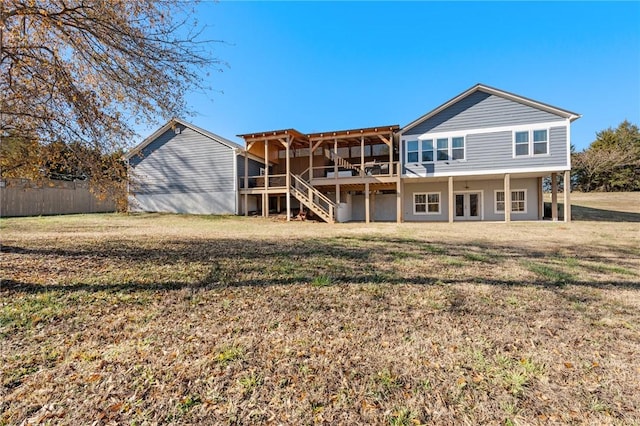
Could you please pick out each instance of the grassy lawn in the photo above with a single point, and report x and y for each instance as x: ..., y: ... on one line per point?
x: 146, y: 319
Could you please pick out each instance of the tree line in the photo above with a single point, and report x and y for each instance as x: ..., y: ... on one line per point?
x: 610, y: 163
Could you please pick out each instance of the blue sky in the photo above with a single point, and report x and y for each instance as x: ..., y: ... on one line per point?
x: 319, y: 66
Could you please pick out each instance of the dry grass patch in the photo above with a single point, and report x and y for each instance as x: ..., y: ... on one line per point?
x: 199, y: 320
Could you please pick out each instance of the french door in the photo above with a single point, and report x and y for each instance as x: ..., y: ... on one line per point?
x: 468, y: 205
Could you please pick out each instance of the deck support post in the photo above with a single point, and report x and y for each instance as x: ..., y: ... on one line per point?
x: 361, y: 156
x: 399, y: 201
x: 540, y: 200
x: 450, y: 198
x: 507, y: 198
x: 288, y: 179
x: 337, y: 193
x: 567, y: 196
x: 310, y: 160
x: 265, y: 199
x: 366, y: 203
x: 554, y: 197
x: 335, y: 160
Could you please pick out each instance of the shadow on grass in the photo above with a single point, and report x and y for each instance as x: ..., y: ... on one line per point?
x: 583, y: 213
x: 346, y: 260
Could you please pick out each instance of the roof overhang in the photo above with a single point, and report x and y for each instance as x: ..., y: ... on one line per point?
x: 497, y: 92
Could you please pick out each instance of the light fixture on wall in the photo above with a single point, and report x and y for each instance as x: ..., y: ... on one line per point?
x: 466, y: 185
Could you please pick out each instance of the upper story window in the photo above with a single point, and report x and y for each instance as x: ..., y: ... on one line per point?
x: 531, y: 142
x: 433, y: 150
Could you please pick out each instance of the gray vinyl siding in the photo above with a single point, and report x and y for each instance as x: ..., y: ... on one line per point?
x: 494, y: 151
x: 254, y: 166
x: 184, y: 173
x: 482, y: 110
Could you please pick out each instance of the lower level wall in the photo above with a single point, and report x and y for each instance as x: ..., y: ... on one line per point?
x: 190, y: 203
x: 487, y: 190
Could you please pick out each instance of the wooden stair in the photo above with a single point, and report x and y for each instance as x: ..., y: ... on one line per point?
x: 313, y: 199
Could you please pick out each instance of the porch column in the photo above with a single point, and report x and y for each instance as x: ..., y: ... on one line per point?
x: 567, y: 196
x: 245, y: 185
x: 507, y: 198
x: 265, y: 198
x: 366, y: 202
x: 540, y: 200
x: 361, y: 156
x: 399, y: 201
x: 390, y: 154
x: 450, y: 198
x: 310, y: 160
x: 335, y: 160
x: 554, y: 197
x: 278, y: 204
x: 288, y: 178
x: 337, y: 193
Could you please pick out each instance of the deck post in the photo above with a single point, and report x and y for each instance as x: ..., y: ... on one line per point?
x: 554, y: 197
x: 245, y: 184
x: 337, y: 193
x: 366, y: 203
x: 399, y: 201
x: 265, y: 199
x: 391, y: 154
x: 507, y: 198
x: 335, y: 160
x: 310, y: 160
x: 361, y: 156
x: 567, y: 196
x: 288, y: 180
x: 450, y: 198
x: 540, y: 200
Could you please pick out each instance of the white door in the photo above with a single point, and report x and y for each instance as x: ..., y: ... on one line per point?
x: 468, y: 205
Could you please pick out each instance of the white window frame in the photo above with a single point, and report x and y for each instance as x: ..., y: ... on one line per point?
x: 427, y: 203
x: 531, y: 144
x: 495, y: 201
x: 434, y: 138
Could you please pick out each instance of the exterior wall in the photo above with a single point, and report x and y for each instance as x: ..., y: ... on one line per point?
x: 488, y: 124
x: 23, y: 197
x: 184, y: 173
x: 493, y: 152
x: 383, y: 207
x: 487, y: 189
x: 482, y: 110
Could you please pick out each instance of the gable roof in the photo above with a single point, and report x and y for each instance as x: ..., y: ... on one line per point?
x: 497, y: 92
x: 172, y: 124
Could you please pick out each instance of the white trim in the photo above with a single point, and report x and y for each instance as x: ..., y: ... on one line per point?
x: 426, y: 203
x: 489, y: 172
x: 483, y: 130
x: 495, y: 201
x: 568, y: 143
x: 471, y: 191
x: 449, y: 136
x: 236, y: 180
x: 492, y: 91
x: 531, y: 142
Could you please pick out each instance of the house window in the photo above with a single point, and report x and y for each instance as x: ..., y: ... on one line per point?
x: 443, y: 149
x: 439, y: 149
x: 412, y: 151
x: 522, y: 143
x: 426, y: 203
x: 518, y: 201
x: 540, y: 142
x: 457, y: 148
x: 427, y: 150
x: 531, y: 142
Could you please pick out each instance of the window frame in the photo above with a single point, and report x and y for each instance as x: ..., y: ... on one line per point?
x: 434, y: 138
x: 427, y: 203
x: 495, y: 201
x: 531, y: 143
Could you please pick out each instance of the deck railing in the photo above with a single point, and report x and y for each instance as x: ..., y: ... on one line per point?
x: 369, y: 168
x: 273, y: 181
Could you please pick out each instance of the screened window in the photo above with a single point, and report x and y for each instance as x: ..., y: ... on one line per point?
x: 426, y: 203
x: 427, y: 150
x: 522, y: 143
x: 457, y: 148
x: 518, y: 201
x: 540, y: 142
x: 443, y: 149
x: 412, y: 151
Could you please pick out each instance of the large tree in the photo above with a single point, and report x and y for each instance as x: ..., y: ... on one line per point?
x: 611, y: 162
x: 85, y: 72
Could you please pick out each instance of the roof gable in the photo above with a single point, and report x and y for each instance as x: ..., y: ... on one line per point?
x: 488, y: 91
x: 171, y: 124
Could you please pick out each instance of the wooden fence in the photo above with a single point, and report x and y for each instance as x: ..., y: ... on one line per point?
x: 24, y: 197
